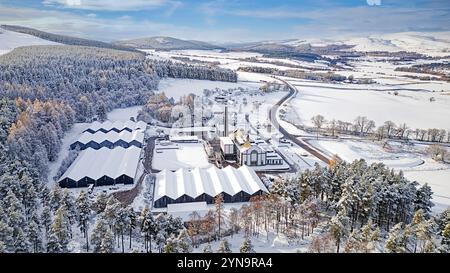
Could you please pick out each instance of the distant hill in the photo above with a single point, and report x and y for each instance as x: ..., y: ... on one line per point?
x: 432, y: 43
x: 280, y: 50
x: 269, y: 47
x: 63, y: 39
x: 166, y: 43
x: 10, y: 40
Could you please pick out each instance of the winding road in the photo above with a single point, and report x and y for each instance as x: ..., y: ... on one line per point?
x: 273, y: 118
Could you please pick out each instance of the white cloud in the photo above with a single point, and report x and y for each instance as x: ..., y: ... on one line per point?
x: 312, y: 24
x: 374, y: 2
x: 111, y: 5
x: 111, y: 29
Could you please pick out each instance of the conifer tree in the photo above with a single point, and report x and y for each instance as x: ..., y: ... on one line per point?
x: 184, y: 242
x: 21, y: 243
x: 224, y: 247
x: 171, y: 245
x: 122, y: 224
x: 394, y: 243
x: 131, y: 221
x: 207, y: 248
x: 98, y: 234
x: 339, y: 227
x: 35, y: 232
x: 61, y: 227
x: 46, y: 219
x: 423, y: 200
x: 218, y: 202
x: 55, y: 197
x: 53, y: 245
x: 107, y: 242
x: 445, y: 242
x: 83, y: 208
x: 6, y: 232
x: 68, y: 200
x: 246, y: 246
x: 100, y: 202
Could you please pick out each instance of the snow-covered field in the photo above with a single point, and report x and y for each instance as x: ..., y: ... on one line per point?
x: 350, y: 150
x: 177, y: 88
x: 10, y: 40
x: 439, y: 181
x: 410, y: 107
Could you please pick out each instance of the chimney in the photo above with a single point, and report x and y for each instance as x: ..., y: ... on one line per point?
x: 225, y: 121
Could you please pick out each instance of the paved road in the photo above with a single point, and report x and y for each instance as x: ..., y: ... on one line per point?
x: 273, y: 118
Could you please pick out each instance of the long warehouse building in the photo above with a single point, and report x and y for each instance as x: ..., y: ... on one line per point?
x: 116, y: 126
x: 102, y: 167
x: 110, y: 140
x: 203, y: 185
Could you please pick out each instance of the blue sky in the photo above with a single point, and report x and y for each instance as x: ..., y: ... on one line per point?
x: 227, y: 20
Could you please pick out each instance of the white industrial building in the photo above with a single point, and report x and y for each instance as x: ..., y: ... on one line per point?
x: 110, y: 139
x: 203, y: 185
x: 246, y: 151
x: 117, y: 126
x: 102, y: 167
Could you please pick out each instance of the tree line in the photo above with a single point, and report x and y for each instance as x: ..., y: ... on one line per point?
x: 299, y: 74
x: 362, y: 126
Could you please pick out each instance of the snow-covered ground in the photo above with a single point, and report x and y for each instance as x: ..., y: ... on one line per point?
x: 70, y: 137
x: 262, y: 244
x: 410, y: 107
x: 439, y: 181
x: 10, y: 40
x: 181, y: 155
x: 350, y: 150
x: 124, y: 114
x: 177, y: 88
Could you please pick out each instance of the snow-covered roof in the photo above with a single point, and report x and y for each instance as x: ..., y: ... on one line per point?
x: 112, y: 163
x: 175, y: 131
x: 189, y: 207
x: 111, y: 136
x: 117, y: 125
x: 185, y: 210
x: 183, y: 138
x: 211, y: 181
x: 226, y: 140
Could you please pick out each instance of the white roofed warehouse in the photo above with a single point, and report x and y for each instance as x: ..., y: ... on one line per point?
x: 110, y: 140
x: 116, y: 126
x: 102, y: 167
x: 203, y: 185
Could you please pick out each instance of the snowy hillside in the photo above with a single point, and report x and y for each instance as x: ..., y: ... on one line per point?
x: 10, y: 40
x: 433, y: 44
x: 166, y: 43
